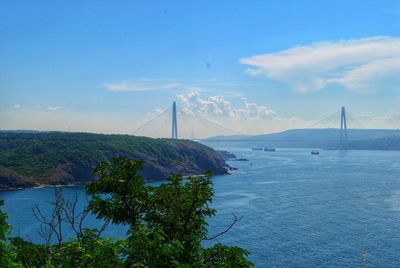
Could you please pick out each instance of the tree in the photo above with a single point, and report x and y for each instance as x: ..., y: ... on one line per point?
x: 87, y: 249
x: 7, y: 259
x: 166, y: 223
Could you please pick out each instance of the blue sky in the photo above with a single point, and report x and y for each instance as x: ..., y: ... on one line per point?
x: 108, y: 66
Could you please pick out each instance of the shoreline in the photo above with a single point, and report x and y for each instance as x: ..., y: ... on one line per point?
x: 228, y: 172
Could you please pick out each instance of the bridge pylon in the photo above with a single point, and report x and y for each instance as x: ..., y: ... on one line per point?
x: 343, y: 127
x: 174, y: 122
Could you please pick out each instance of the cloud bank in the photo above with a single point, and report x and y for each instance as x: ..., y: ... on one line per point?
x: 217, y: 105
x: 356, y: 64
x: 242, y: 116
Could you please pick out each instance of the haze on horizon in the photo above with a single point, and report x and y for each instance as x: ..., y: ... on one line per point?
x: 256, y: 67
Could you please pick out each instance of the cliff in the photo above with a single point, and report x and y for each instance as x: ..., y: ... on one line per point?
x: 52, y: 158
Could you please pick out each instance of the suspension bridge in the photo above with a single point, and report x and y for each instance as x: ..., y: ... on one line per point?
x: 184, y: 123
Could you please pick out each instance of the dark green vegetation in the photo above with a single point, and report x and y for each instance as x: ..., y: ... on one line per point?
x: 40, y: 158
x: 167, y: 225
x: 328, y: 138
x: 7, y: 258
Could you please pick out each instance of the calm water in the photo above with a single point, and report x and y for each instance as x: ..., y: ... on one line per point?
x: 298, y: 210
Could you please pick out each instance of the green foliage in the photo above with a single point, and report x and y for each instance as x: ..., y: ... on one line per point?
x: 223, y: 256
x: 7, y: 259
x: 91, y: 251
x: 29, y: 254
x: 129, y: 194
x: 166, y: 223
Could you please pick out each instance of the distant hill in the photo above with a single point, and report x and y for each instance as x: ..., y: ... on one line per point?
x: 43, y: 158
x: 305, y: 138
x: 386, y: 143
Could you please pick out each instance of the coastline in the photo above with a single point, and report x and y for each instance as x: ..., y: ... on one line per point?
x: 229, y: 171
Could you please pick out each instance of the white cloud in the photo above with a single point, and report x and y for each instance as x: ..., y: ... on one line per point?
x: 53, y: 108
x: 16, y: 106
x: 357, y: 64
x: 217, y: 105
x: 142, y: 85
x: 200, y: 85
x: 235, y: 117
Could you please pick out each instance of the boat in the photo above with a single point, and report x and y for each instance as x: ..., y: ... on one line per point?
x: 269, y: 149
x: 257, y: 149
x: 314, y: 152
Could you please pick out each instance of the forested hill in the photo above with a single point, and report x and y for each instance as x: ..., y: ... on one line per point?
x: 50, y: 158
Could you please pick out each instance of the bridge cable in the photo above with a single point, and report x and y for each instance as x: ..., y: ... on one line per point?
x: 350, y: 116
x: 197, y: 116
x: 220, y: 126
x: 396, y: 121
x: 150, y: 121
x: 331, y: 116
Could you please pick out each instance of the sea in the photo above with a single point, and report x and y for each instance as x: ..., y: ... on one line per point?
x: 335, y: 209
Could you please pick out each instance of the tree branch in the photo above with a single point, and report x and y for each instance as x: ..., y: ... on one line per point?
x: 235, y: 220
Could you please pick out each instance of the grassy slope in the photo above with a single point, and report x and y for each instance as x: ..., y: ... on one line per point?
x: 55, y: 157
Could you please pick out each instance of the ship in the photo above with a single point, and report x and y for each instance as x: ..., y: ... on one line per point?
x: 266, y: 149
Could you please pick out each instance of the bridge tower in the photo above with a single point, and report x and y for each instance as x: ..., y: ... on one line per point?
x: 174, y: 122
x: 343, y: 126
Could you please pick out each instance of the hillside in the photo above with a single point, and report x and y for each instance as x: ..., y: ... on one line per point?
x: 305, y: 138
x: 50, y: 158
x: 386, y: 143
